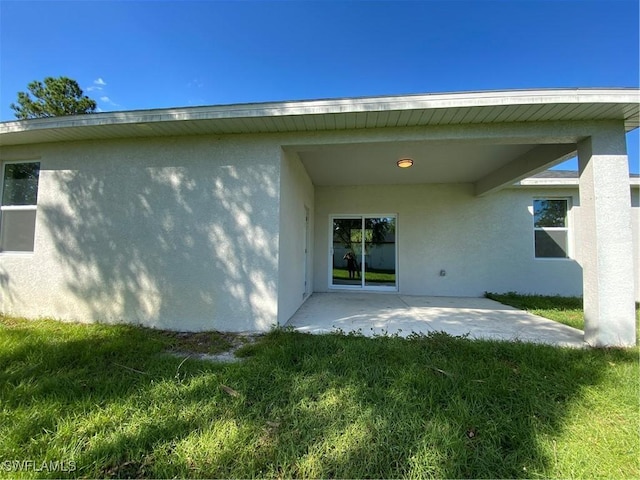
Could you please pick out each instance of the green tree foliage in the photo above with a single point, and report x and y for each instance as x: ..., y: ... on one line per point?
x: 20, y: 185
x: 550, y: 213
x: 53, y: 98
x: 349, y: 231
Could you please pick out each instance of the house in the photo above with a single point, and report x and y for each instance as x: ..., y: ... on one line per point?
x: 229, y: 217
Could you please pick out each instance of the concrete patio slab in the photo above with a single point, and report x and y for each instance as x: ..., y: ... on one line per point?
x: 479, y: 318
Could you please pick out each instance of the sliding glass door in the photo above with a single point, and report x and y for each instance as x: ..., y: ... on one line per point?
x: 363, y: 252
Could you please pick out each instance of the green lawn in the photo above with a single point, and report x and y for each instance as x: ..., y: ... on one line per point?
x: 111, y: 400
x: 373, y: 276
x: 567, y: 310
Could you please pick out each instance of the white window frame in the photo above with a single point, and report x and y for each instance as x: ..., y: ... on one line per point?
x: 8, y: 208
x: 566, y: 228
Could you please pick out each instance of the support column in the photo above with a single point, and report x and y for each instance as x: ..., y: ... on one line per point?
x: 607, y: 248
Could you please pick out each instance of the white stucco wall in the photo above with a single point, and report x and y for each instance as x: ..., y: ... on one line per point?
x: 483, y: 243
x: 295, y: 266
x: 177, y: 233
x: 207, y: 232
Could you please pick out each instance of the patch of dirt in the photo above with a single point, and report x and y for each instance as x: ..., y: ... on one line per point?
x: 213, y: 346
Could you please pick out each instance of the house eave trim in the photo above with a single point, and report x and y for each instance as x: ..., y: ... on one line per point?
x: 625, y: 101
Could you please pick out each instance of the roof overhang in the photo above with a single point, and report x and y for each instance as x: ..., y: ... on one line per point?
x: 441, y: 109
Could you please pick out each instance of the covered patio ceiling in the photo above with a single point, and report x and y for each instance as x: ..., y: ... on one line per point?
x: 434, y: 162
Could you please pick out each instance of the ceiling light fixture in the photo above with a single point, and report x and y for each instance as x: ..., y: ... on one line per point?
x: 404, y: 163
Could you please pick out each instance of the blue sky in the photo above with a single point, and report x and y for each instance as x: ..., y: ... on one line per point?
x: 149, y: 54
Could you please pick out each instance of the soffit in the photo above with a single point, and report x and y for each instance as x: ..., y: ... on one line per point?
x: 337, y: 114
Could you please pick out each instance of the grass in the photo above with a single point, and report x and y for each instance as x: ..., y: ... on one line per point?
x: 567, y: 310
x: 376, y: 276
x: 111, y: 400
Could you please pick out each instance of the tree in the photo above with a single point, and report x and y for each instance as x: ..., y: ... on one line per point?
x: 56, y: 97
x: 349, y: 231
x: 550, y: 213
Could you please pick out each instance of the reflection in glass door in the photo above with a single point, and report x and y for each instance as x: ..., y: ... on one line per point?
x: 364, y: 252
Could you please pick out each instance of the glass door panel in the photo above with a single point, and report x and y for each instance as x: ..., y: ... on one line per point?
x: 347, y: 252
x: 379, y: 262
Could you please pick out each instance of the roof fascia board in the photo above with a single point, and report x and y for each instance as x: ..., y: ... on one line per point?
x: 334, y: 106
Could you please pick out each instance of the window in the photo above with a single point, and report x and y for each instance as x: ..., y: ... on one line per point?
x: 551, y: 232
x: 18, y: 207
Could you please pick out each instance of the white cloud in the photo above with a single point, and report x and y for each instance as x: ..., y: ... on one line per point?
x: 195, y: 83
x: 98, y: 84
x: 108, y: 101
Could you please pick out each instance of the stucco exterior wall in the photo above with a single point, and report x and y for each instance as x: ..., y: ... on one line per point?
x: 296, y: 252
x: 482, y: 243
x: 177, y: 233
x: 208, y: 232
